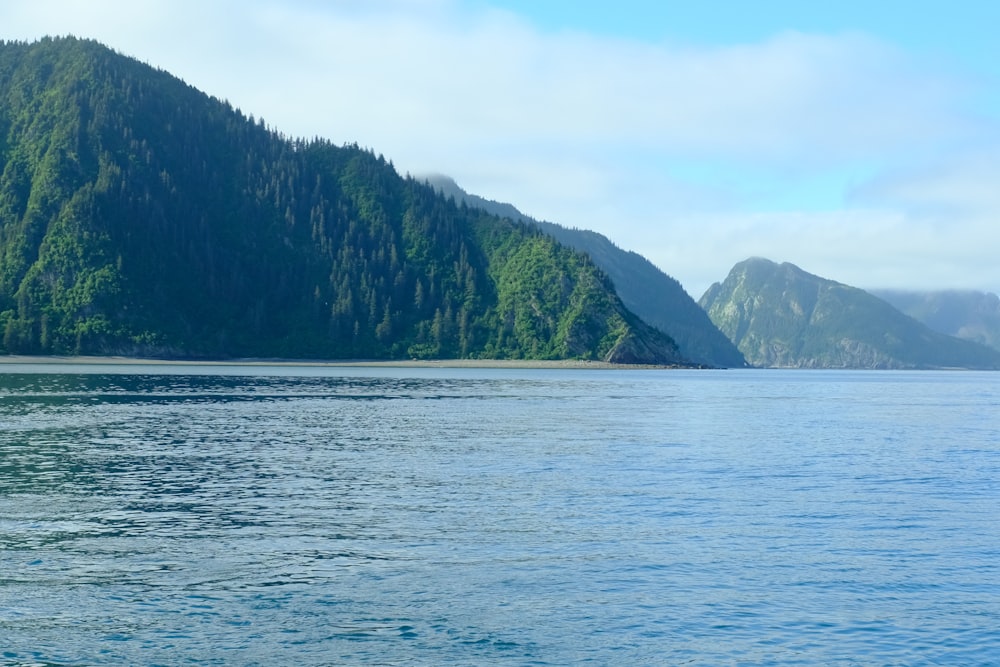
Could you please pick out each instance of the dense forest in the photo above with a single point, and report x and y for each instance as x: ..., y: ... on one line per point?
x: 644, y: 289
x: 140, y: 216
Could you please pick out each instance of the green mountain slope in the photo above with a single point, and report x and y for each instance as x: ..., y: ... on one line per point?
x: 965, y: 314
x: 644, y: 289
x: 139, y: 216
x: 781, y: 316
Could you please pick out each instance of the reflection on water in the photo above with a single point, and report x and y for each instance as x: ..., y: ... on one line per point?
x: 270, y: 515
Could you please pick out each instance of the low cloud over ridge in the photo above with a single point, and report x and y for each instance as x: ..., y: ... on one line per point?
x: 683, y: 152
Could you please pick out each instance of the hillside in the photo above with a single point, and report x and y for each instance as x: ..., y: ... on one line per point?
x: 140, y: 216
x: 781, y: 316
x: 644, y: 289
x: 964, y: 314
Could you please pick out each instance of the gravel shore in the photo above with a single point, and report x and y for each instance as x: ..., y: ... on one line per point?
x: 437, y: 363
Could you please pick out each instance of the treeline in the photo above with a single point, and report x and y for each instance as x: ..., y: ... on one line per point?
x: 139, y: 216
x: 643, y: 288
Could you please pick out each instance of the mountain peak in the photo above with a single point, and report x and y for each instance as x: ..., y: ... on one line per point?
x: 780, y: 315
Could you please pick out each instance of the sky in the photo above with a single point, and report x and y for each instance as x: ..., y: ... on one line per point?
x: 857, y: 140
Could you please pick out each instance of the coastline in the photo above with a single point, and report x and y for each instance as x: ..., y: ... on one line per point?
x: 398, y: 363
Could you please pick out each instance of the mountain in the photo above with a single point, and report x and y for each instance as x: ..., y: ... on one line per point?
x: 964, y: 314
x: 781, y: 316
x: 644, y: 289
x: 140, y: 216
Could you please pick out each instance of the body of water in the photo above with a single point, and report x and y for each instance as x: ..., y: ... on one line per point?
x: 315, y: 515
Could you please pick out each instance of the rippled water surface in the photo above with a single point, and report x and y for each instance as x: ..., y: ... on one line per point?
x: 317, y: 515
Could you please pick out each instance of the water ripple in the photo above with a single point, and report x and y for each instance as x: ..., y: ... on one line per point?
x: 318, y: 516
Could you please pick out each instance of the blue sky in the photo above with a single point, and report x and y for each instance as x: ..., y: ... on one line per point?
x: 859, y: 140
x: 963, y: 28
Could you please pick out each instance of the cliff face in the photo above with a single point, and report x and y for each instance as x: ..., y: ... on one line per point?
x: 781, y: 316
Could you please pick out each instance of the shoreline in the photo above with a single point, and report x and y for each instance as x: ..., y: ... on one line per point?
x: 7, y: 360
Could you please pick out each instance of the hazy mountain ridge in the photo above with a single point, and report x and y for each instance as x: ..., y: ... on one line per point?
x: 140, y: 216
x: 782, y: 316
x: 644, y: 289
x: 966, y: 314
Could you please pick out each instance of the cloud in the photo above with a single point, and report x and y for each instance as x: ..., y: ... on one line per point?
x: 867, y: 248
x: 599, y: 132
x: 433, y: 71
x: 960, y: 184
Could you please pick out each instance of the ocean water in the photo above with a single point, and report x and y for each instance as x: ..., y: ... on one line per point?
x: 378, y: 516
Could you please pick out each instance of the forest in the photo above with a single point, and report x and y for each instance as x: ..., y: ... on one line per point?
x: 139, y: 216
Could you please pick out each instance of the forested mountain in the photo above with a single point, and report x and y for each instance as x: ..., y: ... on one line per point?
x: 964, y: 314
x: 644, y: 289
x: 781, y: 316
x: 140, y: 216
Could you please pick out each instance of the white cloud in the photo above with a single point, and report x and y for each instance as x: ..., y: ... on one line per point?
x: 963, y: 183
x: 588, y: 131
x: 426, y: 70
x: 868, y: 248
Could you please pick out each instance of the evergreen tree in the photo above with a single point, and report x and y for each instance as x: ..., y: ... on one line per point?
x: 139, y: 216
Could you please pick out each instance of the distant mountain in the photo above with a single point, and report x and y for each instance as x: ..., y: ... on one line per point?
x: 781, y: 316
x: 644, y: 289
x: 140, y: 216
x: 964, y: 314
